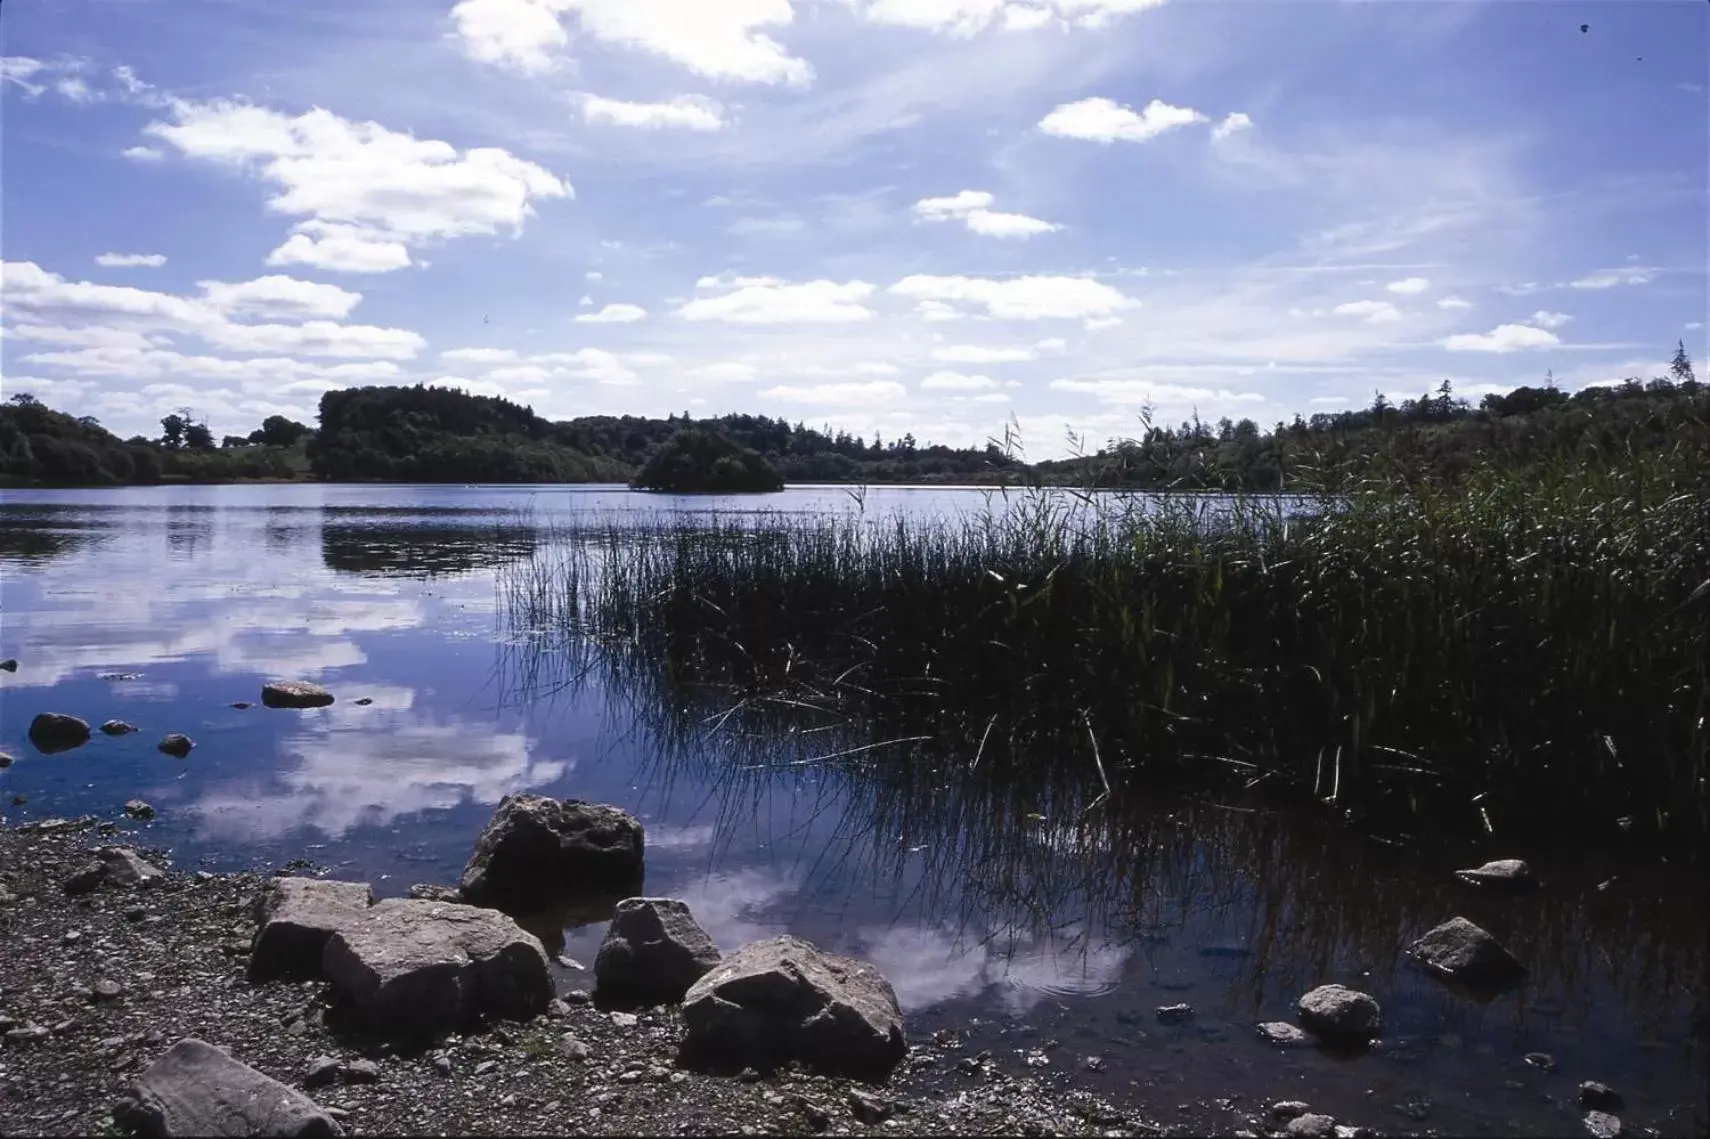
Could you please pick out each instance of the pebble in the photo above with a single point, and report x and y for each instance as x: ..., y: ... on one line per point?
x: 1600, y: 1097
x: 118, y: 728
x: 556, y: 1009
x: 107, y: 989
x: 320, y: 1072
x: 1312, y: 1126
x: 1175, y: 1014
x: 72, y: 937
x: 360, y: 1072
x: 1289, y: 1109
x: 1602, y: 1125
x: 572, y: 1048
x: 176, y: 744
x: 1283, y: 1034
x: 625, y: 1019
x: 6, y: 761
x: 1093, y: 1063
x: 1541, y: 1060
x: 442, y: 1065
x: 578, y: 996
x: 485, y: 1066
x: 139, y: 810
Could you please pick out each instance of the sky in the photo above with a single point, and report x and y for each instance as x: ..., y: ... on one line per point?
x: 927, y: 217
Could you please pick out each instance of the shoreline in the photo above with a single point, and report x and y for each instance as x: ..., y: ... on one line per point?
x: 99, y: 986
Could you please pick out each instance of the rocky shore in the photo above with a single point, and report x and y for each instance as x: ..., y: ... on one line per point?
x: 115, y: 960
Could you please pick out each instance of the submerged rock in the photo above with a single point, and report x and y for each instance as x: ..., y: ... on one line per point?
x: 1600, y: 1097
x: 536, y: 851
x: 139, y: 810
x: 1340, y: 1014
x: 1174, y: 1014
x: 419, y: 968
x: 1505, y: 873
x: 1311, y: 1126
x: 782, y: 999
x: 52, y: 732
x: 117, y: 728
x: 113, y: 866
x: 1283, y: 1035
x: 197, y: 1089
x: 295, y: 917
x: 6, y: 761
x: 177, y: 744
x: 653, y: 951
x: 10, y: 664
x: 1602, y: 1125
x: 295, y: 694
x: 1460, y: 951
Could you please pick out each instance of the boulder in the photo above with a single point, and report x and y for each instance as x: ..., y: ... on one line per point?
x: 1600, y: 1097
x: 197, y: 1089
x: 428, y: 892
x: 294, y: 917
x: 653, y: 951
x: 52, y: 732
x: 113, y: 866
x: 536, y: 851
x: 1503, y: 874
x: 1311, y: 1126
x: 117, y: 728
x: 419, y: 968
x: 295, y: 694
x: 1340, y: 1014
x: 1460, y: 951
x: 138, y: 810
x: 783, y: 999
x: 1602, y: 1125
x: 177, y: 744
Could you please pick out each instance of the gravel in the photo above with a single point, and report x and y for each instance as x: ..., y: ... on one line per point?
x: 83, y: 1016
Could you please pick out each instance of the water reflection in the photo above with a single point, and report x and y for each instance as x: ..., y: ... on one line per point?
x: 36, y: 535
x: 414, y: 550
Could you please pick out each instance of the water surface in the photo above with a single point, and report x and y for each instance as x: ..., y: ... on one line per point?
x: 1045, y: 940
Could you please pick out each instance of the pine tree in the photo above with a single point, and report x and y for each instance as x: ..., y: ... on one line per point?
x: 1681, y: 366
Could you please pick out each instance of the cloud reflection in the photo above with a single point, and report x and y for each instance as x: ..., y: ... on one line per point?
x: 929, y: 966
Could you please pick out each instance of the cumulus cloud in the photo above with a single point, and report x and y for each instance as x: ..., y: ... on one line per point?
x: 1014, y: 298
x: 765, y: 301
x: 1502, y: 338
x: 972, y: 208
x: 720, y: 39
x: 1551, y: 320
x: 1140, y: 392
x: 1373, y: 312
x: 988, y: 354
x: 1453, y: 303
x: 969, y: 17
x: 280, y: 297
x: 362, y: 190
x: 612, y: 314
x: 688, y: 112
x: 725, y: 372
x: 956, y: 381
x: 1613, y: 278
x: 1409, y: 286
x: 130, y: 260
x: 143, y: 153
x: 1232, y: 124
x: 839, y: 395
x: 1106, y: 121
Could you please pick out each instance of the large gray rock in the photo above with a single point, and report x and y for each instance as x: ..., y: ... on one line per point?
x: 420, y: 968
x: 1340, y: 1014
x: 295, y: 694
x: 1503, y: 874
x: 294, y: 917
x: 1460, y: 951
x: 653, y: 951
x: 197, y: 1089
x: 52, y: 732
x: 113, y: 866
x: 537, y: 851
x: 783, y: 999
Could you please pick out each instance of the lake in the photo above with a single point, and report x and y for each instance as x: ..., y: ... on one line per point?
x: 1045, y: 943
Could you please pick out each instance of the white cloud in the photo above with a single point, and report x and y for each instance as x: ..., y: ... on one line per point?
x: 19, y: 70
x: 1409, y: 286
x: 1454, y: 303
x: 479, y: 355
x: 840, y: 395
x: 1375, y: 312
x: 317, y: 338
x: 991, y: 223
x: 956, y: 381
x: 733, y: 281
x: 612, y: 314
x: 341, y: 249
x: 721, y: 39
x: 594, y: 275
x: 380, y: 187
x: 983, y: 354
x: 130, y: 260
x: 1015, y: 298
x: 969, y: 17
x: 726, y: 371
x: 1106, y: 121
x: 1502, y: 338
x: 1141, y: 392
x: 1233, y: 123
x: 280, y: 297
x: 1611, y: 278
x: 143, y: 153
x: 1100, y: 323
x: 688, y: 112
x: 1551, y: 320
x: 770, y: 302
x: 958, y: 205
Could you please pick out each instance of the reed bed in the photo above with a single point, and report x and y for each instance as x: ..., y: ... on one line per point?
x: 1521, y: 653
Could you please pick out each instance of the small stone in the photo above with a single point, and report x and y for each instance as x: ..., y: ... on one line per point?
x: 1283, y: 1035
x: 1541, y: 1060
x: 1602, y: 1125
x: 1093, y: 1063
x: 177, y: 745
x: 6, y: 761
x: 139, y: 810
x: 556, y: 1009
x: 485, y: 1066
x: 72, y: 937
x: 320, y: 1072
x: 749, y: 1076
x: 364, y: 701
x: 572, y: 1049
x: 870, y: 1109
x: 360, y: 1072
x: 1505, y: 873
x: 295, y: 694
x: 106, y: 989
x: 1416, y: 1110
x: 298, y: 1027
x: 52, y: 732
x: 1289, y: 1109
x: 28, y: 1034
x: 1460, y: 951
x: 1336, y: 1012
x: 1175, y: 1014
x: 624, y: 1019
x: 241, y: 705
x: 442, y: 1065
x: 117, y: 728
x: 1312, y: 1126
x: 578, y: 997
x: 1600, y: 1097
x: 9, y: 665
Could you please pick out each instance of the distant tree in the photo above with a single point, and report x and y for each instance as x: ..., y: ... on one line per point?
x: 1681, y: 366
x: 277, y: 431
x: 25, y: 399
x: 230, y: 441
x: 89, y: 421
x: 197, y: 437
x: 172, y: 429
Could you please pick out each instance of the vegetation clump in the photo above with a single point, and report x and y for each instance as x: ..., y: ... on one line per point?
x: 697, y: 460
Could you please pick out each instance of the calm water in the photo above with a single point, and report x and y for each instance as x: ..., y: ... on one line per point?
x: 163, y: 606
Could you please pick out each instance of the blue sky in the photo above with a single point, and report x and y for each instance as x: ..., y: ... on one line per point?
x: 922, y: 216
